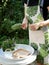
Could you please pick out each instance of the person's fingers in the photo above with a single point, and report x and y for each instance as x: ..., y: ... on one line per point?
x: 24, y: 26
x: 38, y: 25
x: 33, y: 26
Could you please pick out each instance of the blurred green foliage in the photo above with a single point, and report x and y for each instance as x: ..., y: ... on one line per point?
x: 12, y: 9
x: 11, y: 13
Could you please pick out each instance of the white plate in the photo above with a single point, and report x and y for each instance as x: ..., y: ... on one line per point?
x: 24, y: 46
x: 27, y: 61
x: 8, y: 55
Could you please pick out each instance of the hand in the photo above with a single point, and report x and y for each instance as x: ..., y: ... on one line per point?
x: 48, y: 8
x: 34, y: 27
x: 24, y: 24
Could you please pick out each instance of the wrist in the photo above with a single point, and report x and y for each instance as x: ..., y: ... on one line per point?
x: 41, y: 24
x: 25, y: 20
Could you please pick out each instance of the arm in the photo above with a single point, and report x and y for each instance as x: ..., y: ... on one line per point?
x: 44, y: 23
x: 25, y: 21
x: 25, y: 18
x: 25, y: 8
x: 40, y: 24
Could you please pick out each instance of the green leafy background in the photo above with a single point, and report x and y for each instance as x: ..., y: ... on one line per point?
x: 11, y: 13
